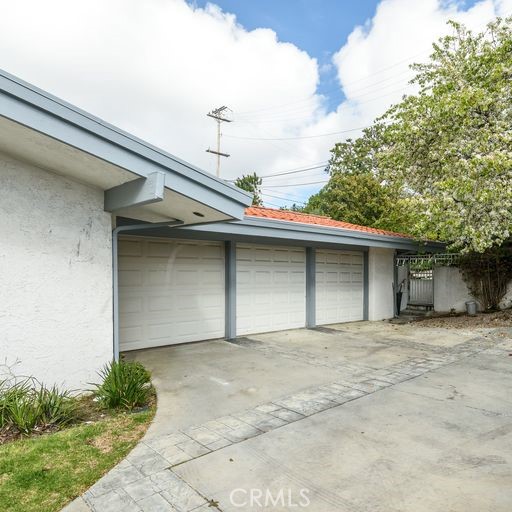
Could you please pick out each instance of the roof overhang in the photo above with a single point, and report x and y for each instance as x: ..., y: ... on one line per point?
x: 51, y: 134
x: 252, y: 229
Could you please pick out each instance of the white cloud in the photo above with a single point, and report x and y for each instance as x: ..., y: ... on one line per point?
x: 156, y: 67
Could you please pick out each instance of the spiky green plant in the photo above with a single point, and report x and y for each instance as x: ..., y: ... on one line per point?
x: 27, y: 405
x: 125, y: 385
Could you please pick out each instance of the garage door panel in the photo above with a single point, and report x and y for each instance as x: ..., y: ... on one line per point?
x: 357, y: 259
x: 281, y: 277
x: 173, y: 292
x: 130, y: 248
x: 270, y: 288
x: 130, y: 334
x: 297, y: 278
x: 130, y: 278
x: 260, y: 298
x: 262, y: 255
x: 260, y: 278
x: 155, y: 278
x: 213, y: 252
x: 298, y: 257
x: 244, y: 254
x: 357, y: 277
x: 133, y: 305
x: 212, y: 278
x: 158, y: 250
x: 160, y: 303
x: 339, y: 286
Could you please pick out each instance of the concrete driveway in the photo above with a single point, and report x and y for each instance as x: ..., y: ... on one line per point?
x: 354, y: 417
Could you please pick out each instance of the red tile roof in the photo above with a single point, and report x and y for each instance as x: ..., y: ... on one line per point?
x: 319, y: 220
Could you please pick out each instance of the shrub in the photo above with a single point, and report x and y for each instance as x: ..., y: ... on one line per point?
x: 27, y: 406
x: 488, y: 275
x: 126, y: 385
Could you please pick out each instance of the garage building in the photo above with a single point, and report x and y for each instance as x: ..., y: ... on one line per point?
x: 111, y: 244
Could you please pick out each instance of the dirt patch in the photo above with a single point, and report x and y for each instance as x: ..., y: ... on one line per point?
x: 481, y: 320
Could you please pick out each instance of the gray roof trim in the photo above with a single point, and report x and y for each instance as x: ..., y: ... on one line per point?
x: 27, y: 105
x: 256, y: 230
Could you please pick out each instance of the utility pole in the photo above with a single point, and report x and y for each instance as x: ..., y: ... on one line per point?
x: 221, y: 116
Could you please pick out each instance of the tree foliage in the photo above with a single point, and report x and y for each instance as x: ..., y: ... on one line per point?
x: 487, y: 275
x: 356, y: 193
x: 450, y: 145
x: 251, y: 183
x: 439, y: 163
x: 360, y: 199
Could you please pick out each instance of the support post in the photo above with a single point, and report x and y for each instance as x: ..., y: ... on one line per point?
x: 230, y: 277
x: 396, y: 307
x: 366, y: 285
x: 310, y: 287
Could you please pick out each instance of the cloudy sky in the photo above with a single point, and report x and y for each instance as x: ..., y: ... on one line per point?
x: 298, y: 75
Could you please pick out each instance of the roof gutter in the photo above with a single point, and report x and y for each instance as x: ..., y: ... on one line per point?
x: 280, y: 229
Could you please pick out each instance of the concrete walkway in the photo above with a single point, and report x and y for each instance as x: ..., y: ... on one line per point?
x: 356, y: 417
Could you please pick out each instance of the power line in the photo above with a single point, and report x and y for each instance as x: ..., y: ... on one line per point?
x: 295, y: 170
x: 309, y: 98
x: 272, y: 204
x: 293, y: 201
x: 285, y: 139
x: 285, y: 194
x: 285, y: 112
x: 299, y: 138
x: 302, y: 118
x: 298, y: 184
x: 388, y: 67
x: 323, y: 166
x: 294, y: 148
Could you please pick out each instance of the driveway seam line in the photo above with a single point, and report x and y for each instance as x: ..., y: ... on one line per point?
x: 149, y: 467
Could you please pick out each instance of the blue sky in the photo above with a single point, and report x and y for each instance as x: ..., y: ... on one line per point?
x: 320, y: 27
x: 161, y: 65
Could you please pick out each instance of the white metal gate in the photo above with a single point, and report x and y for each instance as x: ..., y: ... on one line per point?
x: 421, y: 287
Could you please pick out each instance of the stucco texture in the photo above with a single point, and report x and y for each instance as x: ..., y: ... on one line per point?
x: 451, y: 291
x: 55, y: 275
x: 380, y: 283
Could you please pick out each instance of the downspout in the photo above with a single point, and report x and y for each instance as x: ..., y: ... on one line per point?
x: 115, y: 270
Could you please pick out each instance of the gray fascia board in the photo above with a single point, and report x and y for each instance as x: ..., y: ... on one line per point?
x: 188, y: 234
x: 25, y: 104
x: 312, y: 233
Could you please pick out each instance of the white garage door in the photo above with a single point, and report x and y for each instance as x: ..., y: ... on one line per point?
x: 170, y: 291
x: 339, y: 286
x: 270, y: 288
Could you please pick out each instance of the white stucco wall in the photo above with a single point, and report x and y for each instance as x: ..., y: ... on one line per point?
x: 451, y: 291
x: 55, y: 276
x: 380, y: 283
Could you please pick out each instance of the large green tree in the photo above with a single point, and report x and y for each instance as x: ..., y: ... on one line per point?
x: 251, y: 183
x: 450, y: 145
x: 356, y: 192
x: 442, y: 158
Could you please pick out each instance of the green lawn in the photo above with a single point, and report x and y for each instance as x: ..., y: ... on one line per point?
x: 42, y: 474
